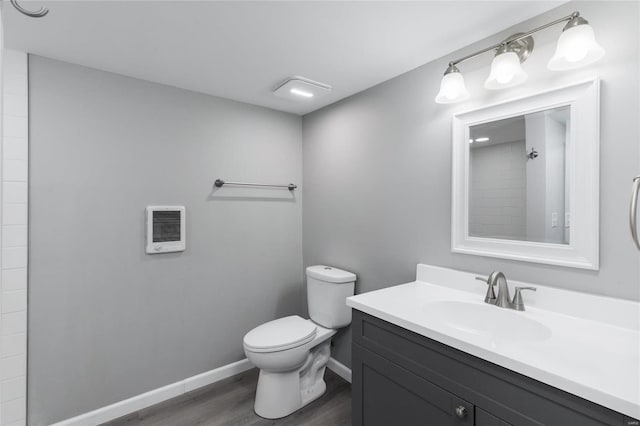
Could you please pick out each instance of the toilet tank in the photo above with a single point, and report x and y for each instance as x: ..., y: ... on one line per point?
x: 327, y: 291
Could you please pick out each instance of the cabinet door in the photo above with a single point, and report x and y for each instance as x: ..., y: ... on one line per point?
x: 485, y: 419
x: 386, y: 394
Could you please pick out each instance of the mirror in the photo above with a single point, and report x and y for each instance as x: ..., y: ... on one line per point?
x: 525, y: 178
x: 518, y: 183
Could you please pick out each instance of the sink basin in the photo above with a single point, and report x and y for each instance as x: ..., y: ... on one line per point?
x: 487, y: 321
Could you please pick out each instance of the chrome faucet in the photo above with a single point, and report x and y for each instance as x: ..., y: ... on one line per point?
x: 502, y: 299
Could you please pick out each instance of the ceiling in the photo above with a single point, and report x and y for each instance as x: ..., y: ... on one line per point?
x: 242, y: 50
x: 512, y: 129
x: 502, y: 131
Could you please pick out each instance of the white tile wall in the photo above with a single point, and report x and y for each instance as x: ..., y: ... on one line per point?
x: 14, y: 367
x: 14, y: 236
x: 14, y: 214
x: 497, y: 206
x: 13, y: 322
x: 13, y: 411
x: 15, y: 149
x: 13, y: 283
x: 12, y: 389
x: 14, y: 301
x: 13, y: 279
x: 14, y: 257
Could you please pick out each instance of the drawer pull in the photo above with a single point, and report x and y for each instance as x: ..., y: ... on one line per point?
x: 461, y: 412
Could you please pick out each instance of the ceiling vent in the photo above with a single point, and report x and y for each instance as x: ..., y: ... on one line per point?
x: 301, y: 89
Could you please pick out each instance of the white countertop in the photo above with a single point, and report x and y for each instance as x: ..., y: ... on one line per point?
x: 593, y: 350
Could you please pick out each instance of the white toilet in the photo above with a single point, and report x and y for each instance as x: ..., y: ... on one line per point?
x: 292, y: 352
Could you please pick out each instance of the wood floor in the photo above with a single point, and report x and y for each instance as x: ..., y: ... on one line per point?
x: 230, y: 403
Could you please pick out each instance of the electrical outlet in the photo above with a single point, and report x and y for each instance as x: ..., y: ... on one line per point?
x: 554, y: 219
x: 567, y: 220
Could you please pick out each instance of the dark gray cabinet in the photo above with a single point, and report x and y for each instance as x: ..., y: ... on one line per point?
x: 402, y: 378
x: 407, y: 399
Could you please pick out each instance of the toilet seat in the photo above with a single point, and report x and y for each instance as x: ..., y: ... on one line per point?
x: 280, y: 334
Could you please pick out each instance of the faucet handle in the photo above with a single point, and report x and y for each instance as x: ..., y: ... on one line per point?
x: 518, y: 303
x: 491, y: 295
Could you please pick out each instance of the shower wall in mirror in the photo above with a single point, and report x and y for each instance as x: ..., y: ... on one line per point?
x: 15, y: 218
x: 518, y: 181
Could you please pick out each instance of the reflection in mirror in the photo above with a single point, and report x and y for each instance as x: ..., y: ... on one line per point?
x: 518, y: 187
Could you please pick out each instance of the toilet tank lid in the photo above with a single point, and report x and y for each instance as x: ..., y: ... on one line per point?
x: 330, y: 274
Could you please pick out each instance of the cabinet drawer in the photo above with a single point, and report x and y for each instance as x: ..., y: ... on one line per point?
x: 391, y: 395
x: 512, y: 397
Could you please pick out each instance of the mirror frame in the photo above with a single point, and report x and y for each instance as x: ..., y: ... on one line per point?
x: 583, y: 165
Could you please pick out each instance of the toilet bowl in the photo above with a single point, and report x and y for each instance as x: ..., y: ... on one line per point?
x: 291, y: 375
x: 292, y: 352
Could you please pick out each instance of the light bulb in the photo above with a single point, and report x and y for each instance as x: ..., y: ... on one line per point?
x: 505, y: 71
x: 504, y: 75
x: 452, y: 87
x: 302, y: 93
x: 577, y: 47
x: 576, y: 53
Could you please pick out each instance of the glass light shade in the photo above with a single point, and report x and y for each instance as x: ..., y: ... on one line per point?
x: 576, y: 48
x: 452, y: 89
x: 505, y: 72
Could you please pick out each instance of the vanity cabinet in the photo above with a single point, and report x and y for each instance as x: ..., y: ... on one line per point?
x: 403, y: 378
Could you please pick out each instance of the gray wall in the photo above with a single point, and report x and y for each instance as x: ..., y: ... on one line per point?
x: 377, y: 167
x: 107, y: 321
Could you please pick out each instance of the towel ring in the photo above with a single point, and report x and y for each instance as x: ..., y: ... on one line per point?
x: 37, y: 14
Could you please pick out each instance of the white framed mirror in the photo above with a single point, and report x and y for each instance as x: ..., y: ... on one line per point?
x: 525, y: 182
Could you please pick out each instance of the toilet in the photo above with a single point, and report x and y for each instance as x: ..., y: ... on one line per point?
x: 292, y: 352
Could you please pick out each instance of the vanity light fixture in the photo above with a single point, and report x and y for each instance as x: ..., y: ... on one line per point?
x: 576, y: 47
x: 505, y: 68
x: 452, y: 88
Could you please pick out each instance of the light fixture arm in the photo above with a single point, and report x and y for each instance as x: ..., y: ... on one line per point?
x: 575, y: 17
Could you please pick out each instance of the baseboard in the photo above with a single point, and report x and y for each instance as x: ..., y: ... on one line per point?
x: 339, y: 368
x: 147, y: 399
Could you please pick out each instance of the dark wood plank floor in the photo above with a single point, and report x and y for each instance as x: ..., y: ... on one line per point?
x: 230, y: 403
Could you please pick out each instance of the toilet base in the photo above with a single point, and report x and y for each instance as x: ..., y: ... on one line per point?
x: 281, y: 394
